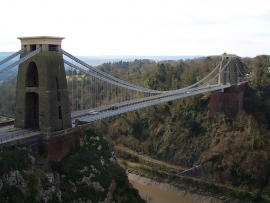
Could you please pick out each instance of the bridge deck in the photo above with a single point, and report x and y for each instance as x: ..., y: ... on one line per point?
x: 10, y: 133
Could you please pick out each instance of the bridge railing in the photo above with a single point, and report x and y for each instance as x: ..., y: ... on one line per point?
x: 19, y: 134
x: 44, y: 135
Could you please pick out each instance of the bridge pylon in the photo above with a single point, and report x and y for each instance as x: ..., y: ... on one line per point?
x: 230, y: 100
x: 42, y: 99
x: 229, y: 75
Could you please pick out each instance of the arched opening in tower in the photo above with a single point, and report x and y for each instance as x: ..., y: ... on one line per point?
x: 31, y: 110
x: 31, y: 79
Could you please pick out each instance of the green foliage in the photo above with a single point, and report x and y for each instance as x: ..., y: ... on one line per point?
x: 7, y: 98
x: 232, y: 147
x: 151, y: 149
x: 152, y: 83
x: 256, y: 195
x: 11, y: 160
x: 125, y: 118
x: 90, y: 155
x: 137, y: 114
x: 252, y: 143
x: 82, y: 161
x: 191, y: 159
x: 161, y: 154
x: 161, y: 72
x: 127, y: 156
x: 12, y: 194
x: 32, y: 189
x: 191, y: 77
x: 190, y: 120
x: 266, y: 191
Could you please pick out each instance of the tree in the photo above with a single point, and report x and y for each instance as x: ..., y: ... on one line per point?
x: 32, y: 190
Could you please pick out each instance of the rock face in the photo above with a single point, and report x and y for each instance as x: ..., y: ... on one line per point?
x: 90, y: 173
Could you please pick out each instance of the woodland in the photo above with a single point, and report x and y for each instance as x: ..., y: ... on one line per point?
x: 235, y: 149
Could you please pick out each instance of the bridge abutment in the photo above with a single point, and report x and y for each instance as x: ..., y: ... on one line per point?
x: 55, y: 148
x: 228, y: 102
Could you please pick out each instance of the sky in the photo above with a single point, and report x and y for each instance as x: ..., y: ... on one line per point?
x: 141, y: 27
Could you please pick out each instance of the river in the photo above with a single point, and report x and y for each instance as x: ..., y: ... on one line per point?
x: 155, y: 194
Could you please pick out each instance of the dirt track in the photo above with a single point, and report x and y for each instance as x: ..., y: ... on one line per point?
x: 146, y: 158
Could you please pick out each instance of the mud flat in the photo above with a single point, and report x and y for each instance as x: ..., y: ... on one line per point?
x: 160, y: 192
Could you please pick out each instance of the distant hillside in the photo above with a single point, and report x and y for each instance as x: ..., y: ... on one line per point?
x: 91, y: 60
x: 4, y: 55
x: 99, y: 60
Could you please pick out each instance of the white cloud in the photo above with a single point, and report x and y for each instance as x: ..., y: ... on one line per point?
x: 139, y: 27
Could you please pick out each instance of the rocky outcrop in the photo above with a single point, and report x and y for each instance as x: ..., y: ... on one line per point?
x: 14, y: 178
x: 90, y: 173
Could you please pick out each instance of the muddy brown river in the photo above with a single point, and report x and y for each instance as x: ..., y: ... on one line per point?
x: 155, y: 194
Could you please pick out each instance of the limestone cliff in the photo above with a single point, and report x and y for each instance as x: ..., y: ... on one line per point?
x: 89, y: 173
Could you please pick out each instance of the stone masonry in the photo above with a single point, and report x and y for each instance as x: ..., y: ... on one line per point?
x: 42, y: 95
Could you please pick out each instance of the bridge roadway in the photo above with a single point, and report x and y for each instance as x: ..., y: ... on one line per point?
x: 133, y: 105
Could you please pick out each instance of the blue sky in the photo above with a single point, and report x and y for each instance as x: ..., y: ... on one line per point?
x: 141, y: 27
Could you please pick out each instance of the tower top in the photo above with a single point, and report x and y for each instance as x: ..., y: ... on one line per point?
x: 41, y: 40
x: 227, y: 56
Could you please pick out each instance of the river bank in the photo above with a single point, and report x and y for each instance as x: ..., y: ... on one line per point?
x: 155, y: 194
x: 158, y: 190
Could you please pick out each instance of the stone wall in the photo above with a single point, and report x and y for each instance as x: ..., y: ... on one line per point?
x: 56, y: 148
x: 42, y: 93
x: 56, y: 145
x: 228, y: 102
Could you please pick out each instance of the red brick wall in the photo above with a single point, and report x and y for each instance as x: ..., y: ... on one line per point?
x: 56, y: 145
x: 56, y: 148
x: 228, y: 102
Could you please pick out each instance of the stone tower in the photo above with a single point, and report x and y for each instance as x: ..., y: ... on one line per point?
x: 42, y: 99
x: 229, y: 75
x: 230, y: 100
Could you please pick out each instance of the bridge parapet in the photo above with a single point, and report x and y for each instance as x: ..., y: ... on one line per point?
x: 47, y: 43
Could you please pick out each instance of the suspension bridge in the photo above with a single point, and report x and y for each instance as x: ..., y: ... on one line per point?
x: 46, y: 102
